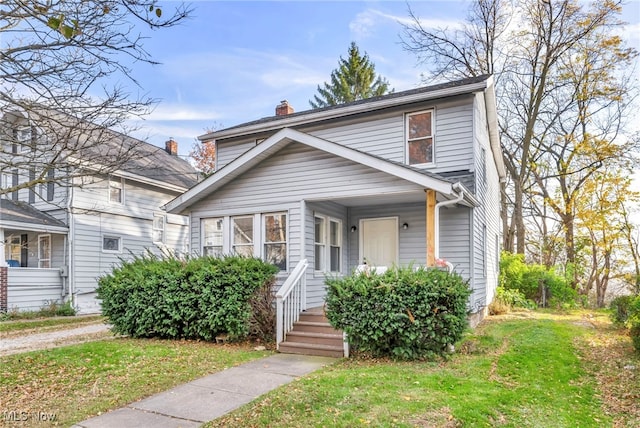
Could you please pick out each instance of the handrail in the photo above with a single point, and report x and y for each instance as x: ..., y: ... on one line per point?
x: 291, y: 300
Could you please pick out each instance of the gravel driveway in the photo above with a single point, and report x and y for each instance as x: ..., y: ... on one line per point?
x: 53, y: 339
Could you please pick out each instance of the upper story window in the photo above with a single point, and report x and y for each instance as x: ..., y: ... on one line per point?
x: 242, y: 235
x: 212, y: 236
x: 116, y: 190
x: 158, y: 228
x: 22, y: 137
x: 419, y: 132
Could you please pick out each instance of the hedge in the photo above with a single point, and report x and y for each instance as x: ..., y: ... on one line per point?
x: 403, y: 313
x: 197, y: 298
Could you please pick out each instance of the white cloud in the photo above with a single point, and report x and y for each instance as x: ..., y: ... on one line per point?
x: 171, y: 112
x: 364, y: 23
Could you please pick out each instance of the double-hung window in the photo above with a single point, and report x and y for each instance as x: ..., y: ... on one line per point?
x: 212, y: 236
x: 243, y: 235
x: 116, y: 190
x: 328, y: 244
x: 419, y: 131
x: 275, y: 239
x: 158, y: 228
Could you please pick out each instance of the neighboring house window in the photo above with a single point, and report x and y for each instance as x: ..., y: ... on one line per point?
x: 14, y: 182
x: 116, y: 190
x: 50, y: 185
x: 275, y: 239
x: 111, y: 244
x: 328, y: 244
x: 420, y: 147
x: 158, y: 228
x: 242, y: 237
x: 32, y: 191
x: 22, y: 137
x: 44, y: 251
x: 212, y: 236
x: 13, y: 249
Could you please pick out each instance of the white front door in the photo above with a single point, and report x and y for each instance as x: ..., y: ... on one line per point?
x: 379, y: 241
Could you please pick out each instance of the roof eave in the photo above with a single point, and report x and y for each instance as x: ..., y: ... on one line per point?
x: 347, y: 110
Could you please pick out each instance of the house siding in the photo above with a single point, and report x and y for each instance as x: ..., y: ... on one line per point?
x: 229, y: 150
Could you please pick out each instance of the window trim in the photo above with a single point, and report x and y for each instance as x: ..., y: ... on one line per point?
x: 110, y: 251
x: 407, y: 140
x: 323, y: 244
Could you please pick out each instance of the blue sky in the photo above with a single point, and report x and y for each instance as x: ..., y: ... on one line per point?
x: 234, y: 61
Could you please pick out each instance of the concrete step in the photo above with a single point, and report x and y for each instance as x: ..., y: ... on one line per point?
x: 311, y: 349
x: 334, y: 339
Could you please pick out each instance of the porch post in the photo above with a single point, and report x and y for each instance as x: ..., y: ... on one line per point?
x: 431, y: 227
x: 4, y: 280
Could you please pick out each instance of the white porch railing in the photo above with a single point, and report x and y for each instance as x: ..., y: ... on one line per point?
x: 291, y: 299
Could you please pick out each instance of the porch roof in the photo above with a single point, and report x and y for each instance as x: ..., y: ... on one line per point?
x: 22, y: 216
x: 284, y: 137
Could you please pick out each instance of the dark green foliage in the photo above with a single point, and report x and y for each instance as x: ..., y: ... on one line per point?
x: 198, y: 298
x: 404, y: 313
x: 532, y: 279
x: 354, y: 79
x: 621, y: 309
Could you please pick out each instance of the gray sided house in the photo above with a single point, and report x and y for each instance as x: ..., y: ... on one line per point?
x: 59, y: 238
x: 406, y: 178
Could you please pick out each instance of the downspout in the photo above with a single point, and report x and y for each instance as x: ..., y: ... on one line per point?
x: 457, y: 188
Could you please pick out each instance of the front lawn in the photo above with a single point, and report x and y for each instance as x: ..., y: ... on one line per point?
x: 80, y: 381
x: 534, y: 369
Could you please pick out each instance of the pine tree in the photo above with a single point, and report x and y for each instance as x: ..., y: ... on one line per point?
x: 354, y: 79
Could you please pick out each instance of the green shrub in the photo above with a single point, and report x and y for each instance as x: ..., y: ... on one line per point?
x: 634, y: 332
x: 531, y: 279
x: 403, y: 313
x: 620, y: 309
x: 507, y: 299
x: 197, y: 298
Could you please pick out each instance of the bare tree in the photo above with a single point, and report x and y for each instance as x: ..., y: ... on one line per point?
x: 59, y: 115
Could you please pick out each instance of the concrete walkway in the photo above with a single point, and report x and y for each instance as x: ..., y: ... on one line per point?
x: 205, y: 399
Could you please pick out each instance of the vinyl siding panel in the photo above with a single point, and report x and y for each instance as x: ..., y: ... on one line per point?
x: 31, y: 289
x: 455, y: 238
x: 228, y: 151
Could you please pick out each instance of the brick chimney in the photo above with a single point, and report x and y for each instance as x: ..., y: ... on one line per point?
x: 171, y: 147
x: 283, y: 108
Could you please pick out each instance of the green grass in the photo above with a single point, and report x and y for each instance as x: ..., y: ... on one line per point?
x: 509, y: 372
x: 77, y: 382
x: 46, y: 324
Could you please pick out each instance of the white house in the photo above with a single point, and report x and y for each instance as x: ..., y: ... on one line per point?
x: 59, y: 238
x: 405, y: 178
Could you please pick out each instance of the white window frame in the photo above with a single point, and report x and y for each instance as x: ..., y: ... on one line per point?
x: 110, y: 250
x: 13, y: 242
x: 265, y: 243
x: 46, y: 261
x: 116, y: 183
x: 326, y: 245
x: 252, y: 244
x: 158, y: 230
x: 408, y: 116
x: 204, y: 247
